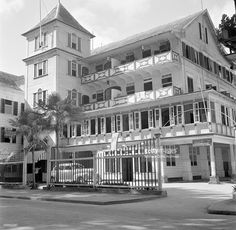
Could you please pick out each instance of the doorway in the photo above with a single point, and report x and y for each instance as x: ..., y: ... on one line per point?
x: 127, y: 169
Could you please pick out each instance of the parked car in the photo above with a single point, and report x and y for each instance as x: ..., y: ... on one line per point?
x: 72, y: 172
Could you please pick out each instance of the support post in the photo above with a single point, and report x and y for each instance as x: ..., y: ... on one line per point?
x: 48, y: 165
x: 95, y: 169
x: 233, y: 162
x: 213, y: 178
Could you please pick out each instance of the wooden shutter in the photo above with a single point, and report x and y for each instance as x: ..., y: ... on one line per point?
x: 15, y: 108
x: 2, y: 105
x: 2, y: 134
x: 79, y: 98
x: 69, y: 68
x: 69, y: 40
x: 184, y: 49
x: 79, y: 70
x: 79, y: 44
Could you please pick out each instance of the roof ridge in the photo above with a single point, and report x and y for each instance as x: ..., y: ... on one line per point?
x: 165, y: 27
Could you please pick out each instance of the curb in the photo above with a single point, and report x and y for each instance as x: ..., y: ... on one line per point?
x: 224, y: 207
x: 82, y: 201
x: 220, y: 212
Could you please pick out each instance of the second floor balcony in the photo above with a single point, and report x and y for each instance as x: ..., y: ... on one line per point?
x: 167, y: 57
x: 135, y: 98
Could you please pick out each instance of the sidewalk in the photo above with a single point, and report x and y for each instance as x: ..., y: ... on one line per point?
x: 75, y: 197
x: 225, y: 207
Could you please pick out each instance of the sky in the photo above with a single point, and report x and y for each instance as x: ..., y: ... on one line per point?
x: 108, y: 20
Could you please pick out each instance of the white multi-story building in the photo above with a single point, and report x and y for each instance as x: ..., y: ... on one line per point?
x: 173, y: 80
x: 11, y: 105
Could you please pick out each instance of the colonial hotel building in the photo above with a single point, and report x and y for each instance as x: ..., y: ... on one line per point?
x: 173, y: 80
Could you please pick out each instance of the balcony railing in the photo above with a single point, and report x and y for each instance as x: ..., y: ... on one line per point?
x: 134, y: 98
x: 162, y: 58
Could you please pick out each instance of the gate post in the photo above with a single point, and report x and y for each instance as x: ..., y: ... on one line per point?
x: 94, y: 169
x: 157, y: 136
x: 48, y: 165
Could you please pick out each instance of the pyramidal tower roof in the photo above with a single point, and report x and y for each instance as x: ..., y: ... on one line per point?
x: 61, y: 14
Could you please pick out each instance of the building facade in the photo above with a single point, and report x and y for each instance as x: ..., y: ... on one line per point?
x: 11, y: 104
x: 173, y: 80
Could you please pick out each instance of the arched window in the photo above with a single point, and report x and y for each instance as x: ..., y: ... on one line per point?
x: 85, y: 99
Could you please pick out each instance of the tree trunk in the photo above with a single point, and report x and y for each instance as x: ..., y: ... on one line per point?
x: 33, y: 163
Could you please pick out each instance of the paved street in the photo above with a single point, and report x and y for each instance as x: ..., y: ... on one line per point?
x: 184, y: 208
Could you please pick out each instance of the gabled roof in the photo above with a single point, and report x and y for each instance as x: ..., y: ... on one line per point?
x: 10, y: 80
x: 61, y: 14
x: 175, y: 26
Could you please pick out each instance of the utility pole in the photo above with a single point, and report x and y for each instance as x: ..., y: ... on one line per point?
x: 235, y: 5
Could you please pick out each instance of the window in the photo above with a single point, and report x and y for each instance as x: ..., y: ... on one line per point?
x: 125, y: 122
x: 74, y: 69
x: 43, y: 43
x: 165, y: 115
x: 188, y: 114
x: 144, y: 120
x: 213, y: 113
x: 7, y: 135
x: 85, y: 128
x: 166, y: 80
x: 179, y: 114
x: 129, y: 57
x: 108, y: 124
x: 103, y: 125
x: 137, y: 120
x: 92, y: 126
x: 131, y: 121
x: 206, y: 36
x: 200, y: 30
x: 74, y: 41
x: 164, y: 46
x: 85, y: 99
x: 78, y: 130
x: 147, y: 85
x: 39, y: 97
x: 74, y: 97
x: 190, y: 84
x: 40, y: 69
x: 200, y: 111
x: 150, y: 119
x: 9, y: 107
x: 176, y: 115
x: 146, y: 53
x: 193, y: 152
x: 99, y: 68
x: 169, y: 152
x: 130, y: 88
x: 113, y: 124
x: 107, y: 65
x: 100, y: 96
x: 157, y: 118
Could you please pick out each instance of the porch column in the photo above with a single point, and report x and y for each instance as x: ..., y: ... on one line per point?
x: 186, y: 163
x: 213, y: 178
x: 24, y: 173
x: 95, y: 178
x: 233, y: 162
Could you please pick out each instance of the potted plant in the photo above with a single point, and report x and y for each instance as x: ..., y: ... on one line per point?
x: 234, y: 192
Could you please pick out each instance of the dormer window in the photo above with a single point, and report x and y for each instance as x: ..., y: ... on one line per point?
x: 74, y: 41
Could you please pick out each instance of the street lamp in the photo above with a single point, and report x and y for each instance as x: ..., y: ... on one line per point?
x: 157, y: 137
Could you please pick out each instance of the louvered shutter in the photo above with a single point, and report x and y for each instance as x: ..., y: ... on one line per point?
x: 69, y: 40
x: 2, y: 134
x: 15, y: 108
x: 2, y: 105
x: 79, y: 70
x: 79, y: 44
x: 69, y: 68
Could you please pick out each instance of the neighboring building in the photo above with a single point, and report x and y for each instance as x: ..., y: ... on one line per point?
x: 11, y: 105
x: 173, y: 80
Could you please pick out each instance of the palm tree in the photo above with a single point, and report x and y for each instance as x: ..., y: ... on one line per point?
x: 59, y: 112
x: 31, y: 124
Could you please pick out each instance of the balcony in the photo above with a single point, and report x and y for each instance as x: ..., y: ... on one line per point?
x: 162, y: 58
x: 138, y: 97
